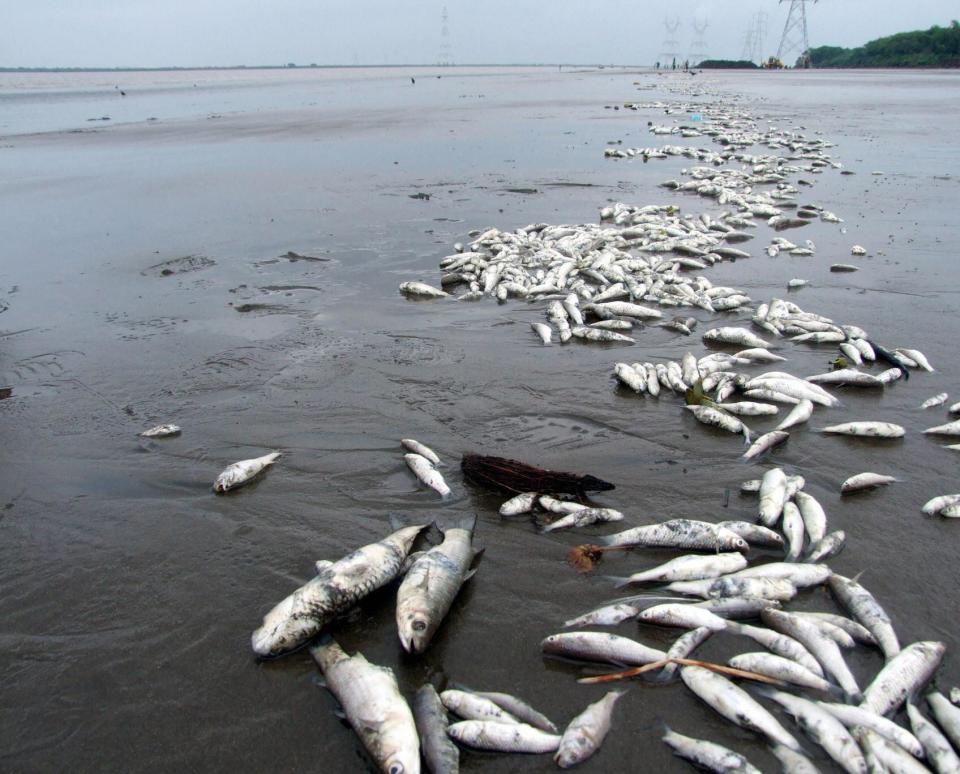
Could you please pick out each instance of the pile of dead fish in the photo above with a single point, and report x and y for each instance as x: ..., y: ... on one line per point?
x: 804, y: 650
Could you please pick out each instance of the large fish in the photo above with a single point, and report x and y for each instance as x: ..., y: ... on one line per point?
x: 337, y: 587
x: 373, y: 706
x: 242, y: 472
x: 680, y: 533
x: 430, y: 585
x: 442, y: 755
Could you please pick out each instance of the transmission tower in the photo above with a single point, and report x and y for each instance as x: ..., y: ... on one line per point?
x: 794, y: 38
x: 698, y: 49
x: 755, y: 39
x: 671, y: 46
x: 445, y: 59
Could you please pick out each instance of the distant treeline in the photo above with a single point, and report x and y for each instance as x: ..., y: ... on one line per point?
x: 727, y: 64
x: 935, y: 47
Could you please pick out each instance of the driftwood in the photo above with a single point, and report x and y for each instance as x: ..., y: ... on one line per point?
x: 517, y: 477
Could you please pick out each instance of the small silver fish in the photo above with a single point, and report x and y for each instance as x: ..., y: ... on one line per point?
x: 868, y: 429
x: 708, y: 755
x: 600, y: 646
x: 421, y: 289
x: 161, y: 431
x: 416, y: 447
x: 863, y: 481
x: 427, y: 474
x: 503, y: 737
x: 242, y: 472
x: 586, y: 732
x: 936, y: 400
x: 584, y: 517
x: 522, y: 503
x: 441, y: 755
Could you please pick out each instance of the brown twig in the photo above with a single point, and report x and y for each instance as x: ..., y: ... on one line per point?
x: 628, y: 673
x: 586, y: 556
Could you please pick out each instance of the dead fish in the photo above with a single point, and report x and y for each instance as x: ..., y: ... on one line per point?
x: 503, y: 737
x: 679, y: 533
x: 903, y: 677
x: 735, y: 704
x: 416, y: 447
x: 242, y: 472
x: 716, y: 418
x: 684, y: 616
x: 842, y: 267
x: 780, y: 668
x: 586, y: 732
x: 599, y: 334
x: 427, y: 474
x: 470, y: 706
x: 857, y: 250
x: 555, y: 505
x: 746, y: 408
x: 766, y: 442
x: 917, y: 357
x: 337, y: 587
x: 936, y: 400
x: 441, y: 755
x: 708, y: 755
x: 691, y: 567
x: 828, y: 546
x: 950, y: 428
x: 797, y: 283
x: 373, y: 706
x: 522, y: 503
x: 421, y: 289
x: 600, y: 646
x: 584, y: 517
x: 798, y: 415
x: 814, y: 518
x: 544, y: 331
x: 608, y: 615
x: 864, y: 608
x: 518, y: 708
x: 868, y: 429
x: 936, y: 505
x: 936, y: 746
x: 161, y: 431
x: 731, y: 335
x: 773, y: 495
x: 863, y: 481
x: 852, y: 717
x: 755, y: 534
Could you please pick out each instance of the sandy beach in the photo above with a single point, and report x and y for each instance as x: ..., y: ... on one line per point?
x: 225, y: 252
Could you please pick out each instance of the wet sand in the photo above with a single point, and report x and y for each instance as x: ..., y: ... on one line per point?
x: 130, y: 589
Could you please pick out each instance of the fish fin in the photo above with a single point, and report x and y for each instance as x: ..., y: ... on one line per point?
x: 478, y: 553
x: 469, y: 523
x: 321, y: 565
x: 469, y: 574
x: 400, y: 520
x: 619, y: 581
x: 856, y: 578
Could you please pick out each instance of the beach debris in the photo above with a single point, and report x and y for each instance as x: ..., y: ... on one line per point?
x: 513, y: 476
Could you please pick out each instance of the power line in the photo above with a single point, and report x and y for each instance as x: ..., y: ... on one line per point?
x: 795, y: 40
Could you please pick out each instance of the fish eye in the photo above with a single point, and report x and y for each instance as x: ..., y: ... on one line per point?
x: 396, y: 768
x: 419, y: 626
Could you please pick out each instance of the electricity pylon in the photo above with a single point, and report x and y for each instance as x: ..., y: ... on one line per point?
x: 795, y: 34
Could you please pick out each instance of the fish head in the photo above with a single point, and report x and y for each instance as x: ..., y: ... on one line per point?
x: 283, y: 629
x: 415, y: 627
x: 396, y: 744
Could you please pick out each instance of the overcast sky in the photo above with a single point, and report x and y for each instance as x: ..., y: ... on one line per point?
x: 151, y: 33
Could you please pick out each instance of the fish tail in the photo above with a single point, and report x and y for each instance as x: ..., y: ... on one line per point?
x: 400, y: 520
x: 619, y: 581
x: 326, y: 651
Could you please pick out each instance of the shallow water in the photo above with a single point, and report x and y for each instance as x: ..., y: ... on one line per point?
x: 130, y: 590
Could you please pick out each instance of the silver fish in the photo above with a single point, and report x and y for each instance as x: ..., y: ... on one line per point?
x: 798, y: 415
x: 600, y: 646
x: 865, y: 609
x: 855, y: 630
x: 522, y: 503
x: 599, y: 334
x: 335, y: 589
x: 800, y: 575
x: 823, y: 648
x: 793, y: 762
x: 863, y: 481
x: 716, y: 418
x: 950, y: 428
x: 793, y: 530
x: 421, y: 289
x: 682, y: 616
x: 555, y: 505
x: 735, y: 704
x: 586, y: 732
x: 608, y: 615
x: 773, y: 493
x: 682, y: 647
x: 708, y: 755
x: 936, y: 505
x: 519, y: 709
x: 242, y: 472
x: 850, y: 377
x: 888, y: 756
x: 373, y: 706
x: 584, y: 517
x: 852, y: 717
x: 161, y: 431
x: 903, y: 677
x: 936, y: 400
x: 780, y: 668
x: 867, y: 429
x: 824, y: 729
x: 427, y: 474
x: 430, y: 585
x: 748, y: 408
x: 690, y: 567
x: 440, y: 754
x: 730, y: 335
x: 629, y: 376
x: 937, y: 748
x: 947, y: 716
x: 470, y: 706
x: 679, y: 533
x: 544, y: 331
x: 917, y: 357
x: 780, y: 644
x: 829, y: 546
x: 416, y: 447
x: 814, y: 518
x: 503, y: 737
x: 733, y: 586
x: 765, y: 442
x: 754, y: 534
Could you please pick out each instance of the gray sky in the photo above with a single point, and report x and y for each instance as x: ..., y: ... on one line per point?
x: 109, y: 33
